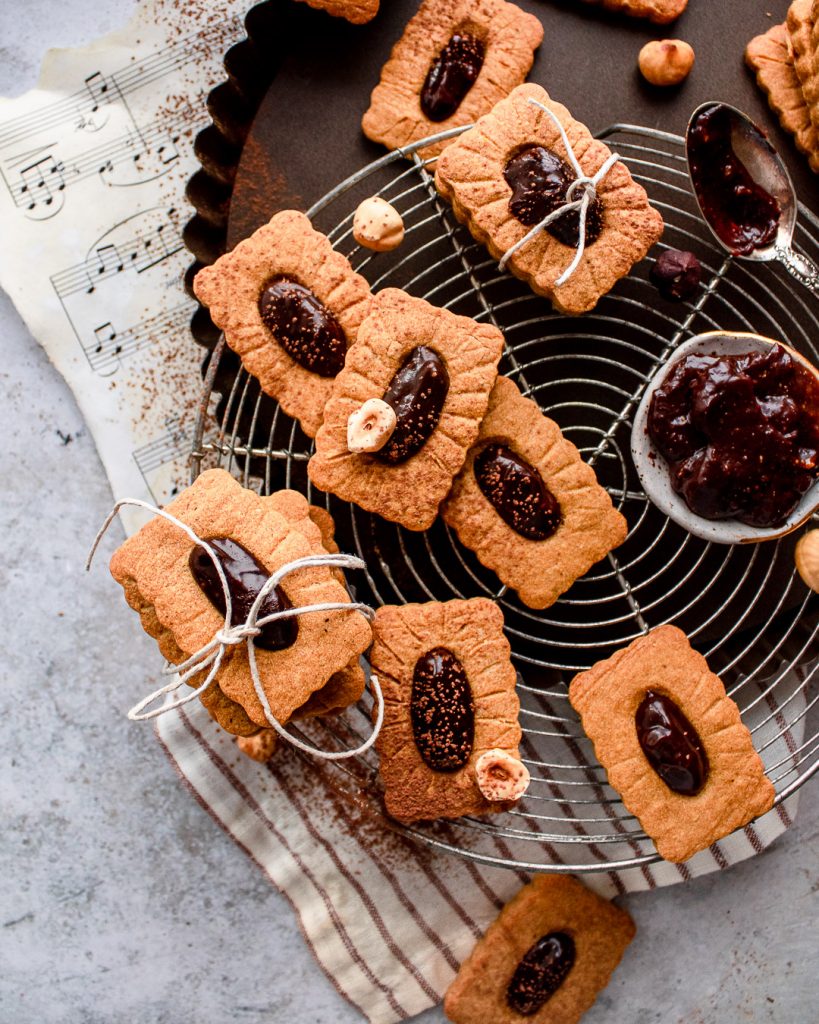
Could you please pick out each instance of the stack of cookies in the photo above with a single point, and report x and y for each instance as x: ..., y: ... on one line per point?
x: 785, y: 60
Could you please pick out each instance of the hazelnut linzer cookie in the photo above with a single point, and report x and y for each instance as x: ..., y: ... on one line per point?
x: 343, y: 688
x: 527, y: 504
x: 289, y: 306
x: 358, y: 12
x: 661, y: 12
x: 434, y: 370
x: 172, y: 581
x: 672, y: 742
x: 505, y: 175
x: 545, y: 958
x: 455, y: 60
x: 449, y: 700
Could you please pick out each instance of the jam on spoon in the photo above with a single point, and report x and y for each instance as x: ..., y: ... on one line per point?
x: 740, y: 433
x: 451, y: 76
x: 742, y: 213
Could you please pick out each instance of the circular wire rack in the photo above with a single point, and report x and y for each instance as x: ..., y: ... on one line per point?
x: 742, y: 606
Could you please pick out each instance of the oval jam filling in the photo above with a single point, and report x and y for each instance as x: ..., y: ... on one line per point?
x: 245, y: 578
x: 671, y: 744
x: 517, y: 492
x: 442, y: 711
x: 303, y: 326
x: 451, y: 75
x: 740, y: 433
x: 539, y: 180
x: 540, y: 973
x: 417, y: 393
x: 743, y: 214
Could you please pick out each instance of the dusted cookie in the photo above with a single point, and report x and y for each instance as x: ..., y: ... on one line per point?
x: 570, y: 941
x: 495, y: 42
x: 359, y: 12
x: 255, y: 294
x: 769, y: 57
x: 558, y: 535
x: 661, y: 12
x: 153, y: 569
x: 712, y: 779
x: 426, y: 346
x: 449, y: 696
x: 472, y: 175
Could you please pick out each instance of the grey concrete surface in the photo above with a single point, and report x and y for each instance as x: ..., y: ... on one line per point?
x: 120, y: 899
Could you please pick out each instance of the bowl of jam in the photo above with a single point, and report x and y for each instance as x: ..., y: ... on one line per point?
x: 726, y: 438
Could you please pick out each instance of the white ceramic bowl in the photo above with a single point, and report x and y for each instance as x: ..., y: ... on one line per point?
x: 652, y: 468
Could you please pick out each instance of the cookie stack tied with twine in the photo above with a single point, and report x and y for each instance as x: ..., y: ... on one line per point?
x: 785, y: 60
x: 245, y: 597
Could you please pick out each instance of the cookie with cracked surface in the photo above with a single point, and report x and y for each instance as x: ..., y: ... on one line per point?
x: 449, y: 696
x: 769, y: 57
x: 455, y: 60
x: 672, y: 742
x: 799, y: 23
x: 545, y: 958
x: 527, y: 504
x: 289, y: 307
x: 505, y: 174
x: 661, y: 12
x: 155, y: 570
x: 358, y: 12
x: 436, y: 369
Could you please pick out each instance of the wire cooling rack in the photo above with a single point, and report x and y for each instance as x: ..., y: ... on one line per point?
x: 743, y: 607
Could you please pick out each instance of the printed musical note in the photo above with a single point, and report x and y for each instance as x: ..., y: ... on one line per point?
x: 97, y: 88
x: 109, y: 346
x: 41, y: 186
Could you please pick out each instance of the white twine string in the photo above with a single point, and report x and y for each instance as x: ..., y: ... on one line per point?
x: 584, y: 184
x: 211, y: 655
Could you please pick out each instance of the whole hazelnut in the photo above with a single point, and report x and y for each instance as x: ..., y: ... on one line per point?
x: 370, y: 426
x: 806, y: 557
x: 676, y: 274
x: 666, y: 61
x: 260, y: 746
x: 377, y: 225
x: 500, y: 776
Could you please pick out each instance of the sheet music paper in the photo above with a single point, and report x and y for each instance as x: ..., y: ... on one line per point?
x: 93, y: 168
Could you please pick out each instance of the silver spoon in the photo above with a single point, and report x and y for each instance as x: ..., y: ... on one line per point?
x: 765, y: 166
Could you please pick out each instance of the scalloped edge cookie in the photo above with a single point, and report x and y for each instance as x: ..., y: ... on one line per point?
x: 231, y: 287
x: 470, y: 173
x: 409, y: 492
x: 607, y: 697
x: 539, y: 570
x: 473, y: 631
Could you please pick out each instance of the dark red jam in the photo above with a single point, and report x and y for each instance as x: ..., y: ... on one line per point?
x: 540, y: 973
x: 517, y: 492
x: 304, y: 327
x: 671, y: 744
x: 451, y: 76
x: 539, y: 180
x: 417, y: 394
x: 743, y: 214
x: 245, y: 578
x: 740, y: 433
x: 442, y: 711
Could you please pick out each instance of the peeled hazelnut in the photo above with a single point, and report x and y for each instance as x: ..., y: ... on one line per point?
x: 806, y: 557
x: 370, y: 427
x: 501, y: 777
x: 259, y: 746
x: 666, y: 61
x: 377, y: 225
x: 676, y: 274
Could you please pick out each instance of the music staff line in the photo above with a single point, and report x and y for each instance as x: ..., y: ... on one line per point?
x: 43, y: 180
x: 97, y: 88
x: 138, y: 254
x: 162, y: 450
x: 110, y: 346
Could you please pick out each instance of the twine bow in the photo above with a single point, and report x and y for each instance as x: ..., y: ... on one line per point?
x: 584, y: 188
x: 211, y: 655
